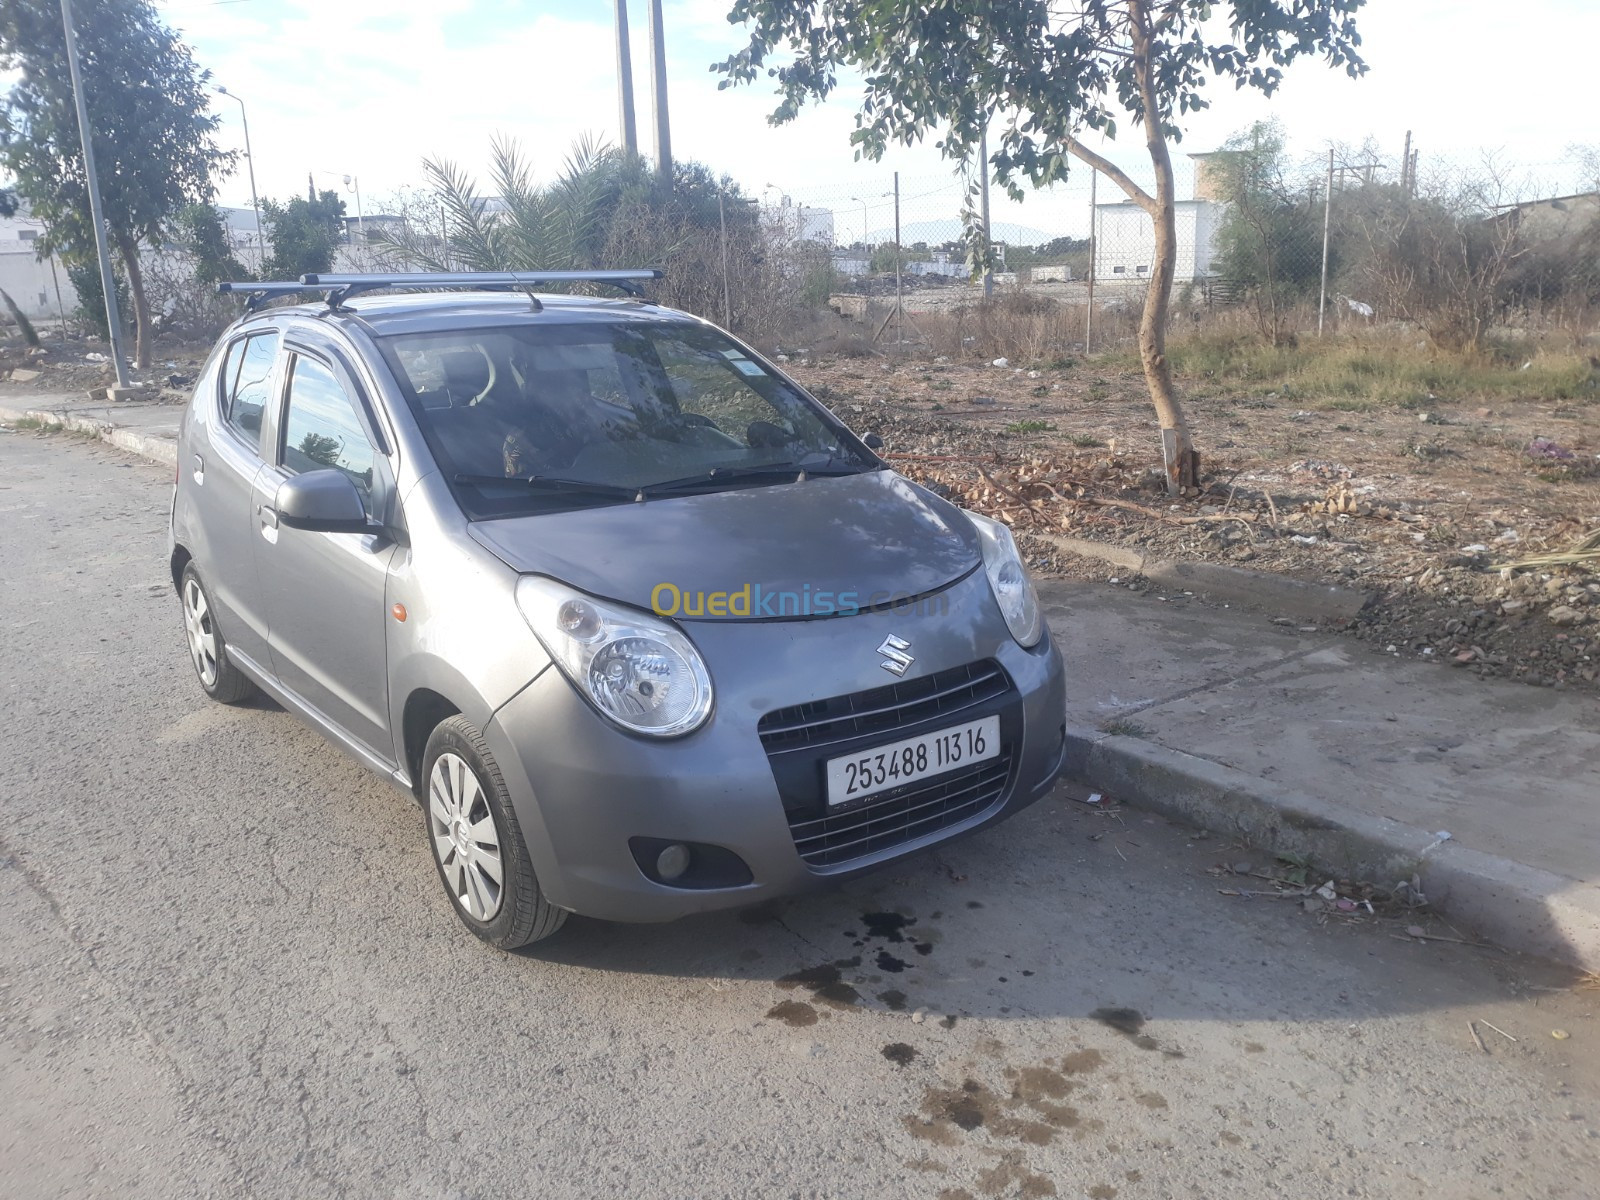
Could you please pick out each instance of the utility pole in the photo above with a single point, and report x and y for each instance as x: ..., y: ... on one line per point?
x: 1094, y: 249
x: 727, y: 301
x: 1405, y: 167
x: 899, y: 298
x: 630, y: 131
x: 1327, y: 226
x: 108, y: 282
x: 658, y: 93
x: 983, y: 177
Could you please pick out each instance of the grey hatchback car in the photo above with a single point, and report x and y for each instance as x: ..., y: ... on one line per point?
x: 641, y: 625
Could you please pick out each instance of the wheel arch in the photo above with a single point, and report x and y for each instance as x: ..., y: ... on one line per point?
x: 424, y: 710
x: 181, y: 558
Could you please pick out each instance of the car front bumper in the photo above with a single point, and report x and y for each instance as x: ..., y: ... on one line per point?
x: 582, y: 788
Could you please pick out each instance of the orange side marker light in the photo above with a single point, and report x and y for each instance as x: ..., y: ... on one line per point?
x: 398, y: 612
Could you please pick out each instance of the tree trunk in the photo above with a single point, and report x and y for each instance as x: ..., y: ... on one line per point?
x: 129, y: 249
x: 1182, y: 463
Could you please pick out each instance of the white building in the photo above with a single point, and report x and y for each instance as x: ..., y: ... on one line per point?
x: 28, y: 279
x: 1125, y: 239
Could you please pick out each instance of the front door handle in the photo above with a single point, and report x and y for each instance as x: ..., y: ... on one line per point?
x: 269, y: 522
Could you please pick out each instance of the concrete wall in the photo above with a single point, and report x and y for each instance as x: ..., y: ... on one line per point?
x: 28, y: 281
x: 1125, y: 242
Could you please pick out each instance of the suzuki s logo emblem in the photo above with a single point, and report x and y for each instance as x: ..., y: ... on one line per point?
x: 896, y: 653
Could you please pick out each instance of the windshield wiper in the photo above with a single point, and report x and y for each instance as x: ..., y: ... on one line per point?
x: 724, y: 475
x: 556, y: 483
x: 792, y: 471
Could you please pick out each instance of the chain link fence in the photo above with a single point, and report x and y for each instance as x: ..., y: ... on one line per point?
x: 1456, y: 250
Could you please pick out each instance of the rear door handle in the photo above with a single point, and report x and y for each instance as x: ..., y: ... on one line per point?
x: 269, y: 522
x: 199, y: 469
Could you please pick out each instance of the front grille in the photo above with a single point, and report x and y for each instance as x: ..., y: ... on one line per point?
x: 882, y: 710
x: 880, y: 824
x: 800, y: 740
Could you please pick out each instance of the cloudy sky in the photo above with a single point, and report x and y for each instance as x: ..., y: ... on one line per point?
x: 368, y: 88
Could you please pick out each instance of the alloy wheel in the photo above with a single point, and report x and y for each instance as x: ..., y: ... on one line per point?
x: 465, y: 840
x: 202, y: 635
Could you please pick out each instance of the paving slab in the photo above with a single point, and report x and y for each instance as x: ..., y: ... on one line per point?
x: 1304, y: 739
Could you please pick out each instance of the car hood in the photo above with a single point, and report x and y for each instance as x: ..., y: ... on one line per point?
x: 824, y: 546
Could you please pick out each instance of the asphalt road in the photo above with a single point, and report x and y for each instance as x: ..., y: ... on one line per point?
x: 227, y: 968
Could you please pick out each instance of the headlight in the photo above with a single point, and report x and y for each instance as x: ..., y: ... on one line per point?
x: 638, y: 670
x: 1009, y: 581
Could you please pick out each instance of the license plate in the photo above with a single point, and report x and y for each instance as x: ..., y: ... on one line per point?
x: 886, y: 767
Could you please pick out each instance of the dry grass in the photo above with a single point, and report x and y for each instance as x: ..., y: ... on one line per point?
x: 1359, y: 372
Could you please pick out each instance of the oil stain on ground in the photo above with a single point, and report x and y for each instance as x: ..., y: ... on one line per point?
x: 900, y: 1054
x: 1012, y: 1179
x: 890, y: 926
x: 1130, y: 1023
x: 825, y: 984
x: 793, y: 1012
x: 1029, y: 1113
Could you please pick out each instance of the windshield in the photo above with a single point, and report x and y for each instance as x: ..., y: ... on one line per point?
x: 520, y: 418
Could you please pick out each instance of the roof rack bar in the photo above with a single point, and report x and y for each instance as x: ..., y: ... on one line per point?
x: 258, y: 292
x: 262, y: 288
x: 628, y: 281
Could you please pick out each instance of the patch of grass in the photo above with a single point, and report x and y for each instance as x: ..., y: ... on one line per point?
x: 942, y: 385
x: 1098, y: 392
x: 1122, y: 727
x: 1355, y: 374
x: 1085, y: 441
x: 29, y: 425
x: 1030, y: 426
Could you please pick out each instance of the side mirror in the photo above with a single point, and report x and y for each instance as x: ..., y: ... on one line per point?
x: 872, y: 442
x: 322, y: 501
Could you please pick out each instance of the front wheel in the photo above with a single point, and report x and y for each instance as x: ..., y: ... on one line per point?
x: 477, y: 843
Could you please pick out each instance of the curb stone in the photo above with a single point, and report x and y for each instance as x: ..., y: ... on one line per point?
x: 158, y: 449
x: 1237, y: 585
x: 1513, y: 905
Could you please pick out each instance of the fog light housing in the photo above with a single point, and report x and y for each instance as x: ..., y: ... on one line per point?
x: 673, y: 861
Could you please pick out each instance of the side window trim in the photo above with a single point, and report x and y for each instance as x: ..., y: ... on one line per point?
x: 227, y: 387
x: 381, y: 489
x: 330, y: 359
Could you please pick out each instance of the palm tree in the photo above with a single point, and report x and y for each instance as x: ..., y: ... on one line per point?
x: 560, y: 227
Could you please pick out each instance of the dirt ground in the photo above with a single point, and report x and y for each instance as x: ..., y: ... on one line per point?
x: 1421, y: 507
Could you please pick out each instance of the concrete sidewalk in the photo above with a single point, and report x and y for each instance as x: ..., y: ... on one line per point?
x: 143, y: 428
x: 1294, y: 740
x: 1310, y: 743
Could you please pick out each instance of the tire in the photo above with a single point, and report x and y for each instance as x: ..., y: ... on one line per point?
x: 461, y: 788
x: 208, y: 650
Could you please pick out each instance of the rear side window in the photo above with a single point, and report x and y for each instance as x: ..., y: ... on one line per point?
x: 247, y: 383
x: 321, y: 429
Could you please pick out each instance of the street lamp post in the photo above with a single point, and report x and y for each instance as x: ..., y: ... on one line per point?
x: 250, y: 158
x: 107, y: 280
x: 863, y: 204
x: 352, y: 181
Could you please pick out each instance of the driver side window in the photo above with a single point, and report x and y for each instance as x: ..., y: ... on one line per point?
x: 321, y: 429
